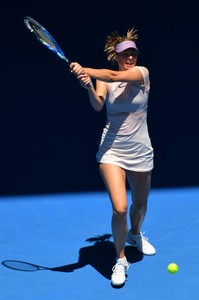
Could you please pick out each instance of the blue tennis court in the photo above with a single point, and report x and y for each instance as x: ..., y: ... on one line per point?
x: 71, y: 234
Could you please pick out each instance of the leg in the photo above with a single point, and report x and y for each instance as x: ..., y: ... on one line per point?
x: 140, y: 183
x: 114, y: 178
x: 140, y: 186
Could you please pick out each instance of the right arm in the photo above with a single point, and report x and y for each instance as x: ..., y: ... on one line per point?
x: 97, y: 96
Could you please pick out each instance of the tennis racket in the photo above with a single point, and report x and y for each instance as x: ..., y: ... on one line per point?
x: 46, y: 39
x: 22, y: 266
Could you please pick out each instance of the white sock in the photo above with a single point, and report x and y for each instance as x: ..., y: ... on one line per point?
x: 135, y: 235
x: 123, y: 259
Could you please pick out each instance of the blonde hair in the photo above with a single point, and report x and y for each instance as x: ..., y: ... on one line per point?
x: 114, y: 38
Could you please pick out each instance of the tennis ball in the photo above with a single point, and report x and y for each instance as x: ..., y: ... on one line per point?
x: 172, y: 268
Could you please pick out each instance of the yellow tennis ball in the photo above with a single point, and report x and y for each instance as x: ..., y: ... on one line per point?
x: 172, y: 268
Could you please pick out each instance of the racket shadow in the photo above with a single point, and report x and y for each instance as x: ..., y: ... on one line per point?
x: 101, y: 256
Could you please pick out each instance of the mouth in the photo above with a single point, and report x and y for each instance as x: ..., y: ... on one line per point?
x: 129, y: 64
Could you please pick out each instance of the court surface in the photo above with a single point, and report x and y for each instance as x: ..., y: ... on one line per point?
x: 71, y: 234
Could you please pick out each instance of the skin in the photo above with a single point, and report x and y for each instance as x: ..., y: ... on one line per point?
x: 115, y: 177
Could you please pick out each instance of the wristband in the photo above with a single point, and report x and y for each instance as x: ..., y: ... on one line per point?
x: 89, y: 85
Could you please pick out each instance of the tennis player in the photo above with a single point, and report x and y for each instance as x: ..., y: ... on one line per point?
x: 125, y: 150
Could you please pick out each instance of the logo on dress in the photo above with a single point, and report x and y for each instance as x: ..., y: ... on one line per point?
x: 122, y: 84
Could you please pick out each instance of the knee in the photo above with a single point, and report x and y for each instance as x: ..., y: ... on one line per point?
x: 120, y: 212
x: 140, y: 206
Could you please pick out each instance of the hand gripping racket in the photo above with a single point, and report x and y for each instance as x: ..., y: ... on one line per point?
x: 46, y: 39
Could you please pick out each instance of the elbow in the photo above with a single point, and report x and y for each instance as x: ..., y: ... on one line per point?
x: 97, y: 109
x: 113, y: 76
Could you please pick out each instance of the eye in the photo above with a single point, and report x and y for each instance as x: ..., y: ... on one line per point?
x: 129, y: 53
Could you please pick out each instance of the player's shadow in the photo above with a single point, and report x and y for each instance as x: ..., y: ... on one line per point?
x: 101, y: 256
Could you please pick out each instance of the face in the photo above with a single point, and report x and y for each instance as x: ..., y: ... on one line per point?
x: 126, y: 59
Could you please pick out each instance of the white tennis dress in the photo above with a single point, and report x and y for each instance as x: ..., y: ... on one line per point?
x: 125, y: 139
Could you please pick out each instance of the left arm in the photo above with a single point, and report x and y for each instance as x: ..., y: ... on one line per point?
x: 106, y: 75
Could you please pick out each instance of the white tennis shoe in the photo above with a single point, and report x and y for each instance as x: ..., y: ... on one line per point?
x: 141, y: 243
x: 119, y: 272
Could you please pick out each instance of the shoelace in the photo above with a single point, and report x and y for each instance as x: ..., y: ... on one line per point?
x: 120, y: 267
x: 142, y: 240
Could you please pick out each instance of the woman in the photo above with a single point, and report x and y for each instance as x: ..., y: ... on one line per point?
x: 125, y: 150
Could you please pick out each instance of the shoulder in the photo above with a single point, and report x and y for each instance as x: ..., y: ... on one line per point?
x: 143, y: 70
x: 145, y: 74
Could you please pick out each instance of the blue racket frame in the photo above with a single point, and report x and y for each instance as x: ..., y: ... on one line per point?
x: 32, y: 25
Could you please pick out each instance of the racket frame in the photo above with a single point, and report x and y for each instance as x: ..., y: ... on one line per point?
x: 8, y: 264
x: 31, y: 24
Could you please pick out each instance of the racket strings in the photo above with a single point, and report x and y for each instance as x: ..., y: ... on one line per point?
x: 20, y: 266
x: 44, y: 37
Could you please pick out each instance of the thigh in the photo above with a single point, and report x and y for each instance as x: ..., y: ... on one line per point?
x: 114, y: 179
x: 140, y: 183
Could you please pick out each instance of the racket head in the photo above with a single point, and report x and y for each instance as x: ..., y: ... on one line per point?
x: 22, y: 266
x: 44, y: 37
